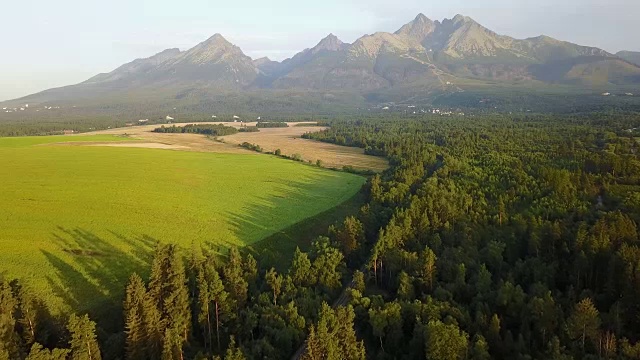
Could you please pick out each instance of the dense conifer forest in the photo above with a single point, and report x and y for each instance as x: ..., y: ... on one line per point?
x: 491, y: 236
x: 214, y: 130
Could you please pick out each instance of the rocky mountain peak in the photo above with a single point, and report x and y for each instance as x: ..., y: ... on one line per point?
x: 462, y: 19
x: 261, y: 61
x: 417, y: 29
x: 329, y: 43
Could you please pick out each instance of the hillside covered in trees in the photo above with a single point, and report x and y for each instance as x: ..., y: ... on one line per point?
x: 495, y: 236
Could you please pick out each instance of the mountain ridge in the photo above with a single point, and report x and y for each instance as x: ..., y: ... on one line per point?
x: 423, y: 54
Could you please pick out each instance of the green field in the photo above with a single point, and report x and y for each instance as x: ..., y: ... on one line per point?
x: 76, y: 221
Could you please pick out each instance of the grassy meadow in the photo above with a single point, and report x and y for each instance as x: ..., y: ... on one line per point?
x: 76, y: 221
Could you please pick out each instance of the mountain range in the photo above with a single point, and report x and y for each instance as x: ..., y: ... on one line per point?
x: 422, y: 57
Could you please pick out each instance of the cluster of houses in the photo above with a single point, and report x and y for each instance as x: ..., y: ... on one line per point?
x: 435, y: 111
x: 25, y: 107
x: 9, y: 110
x: 446, y: 112
x: 609, y: 94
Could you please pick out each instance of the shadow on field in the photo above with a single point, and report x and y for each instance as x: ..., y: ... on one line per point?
x: 276, y: 249
x: 94, y: 280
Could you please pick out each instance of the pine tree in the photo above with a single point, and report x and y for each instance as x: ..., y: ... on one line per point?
x: 275, y: 282
x: 428, y: 267
x: 233, y: 352
x: 358, y: 282
x: 177, y: 314
x: 9, y: 348
x: 300, y: 270
x: 351, y: 235
x: 172, y: 345
x: 250, y: 269
x: 334, y: 338
x: 480, y: 350
x: 212, y: 301
x: 445, y: 342
x: 169, y: 292
x: 235, y: 281
x: 584, y: 322
x: 350, y: 347
x: 134, y: 314
x: 159, y: 273
x: 203, y: 303
x: 28, y: 317
x: 405, y: 288
x: 39, y: 353
x: 84, y: 345
x: 153, y: 328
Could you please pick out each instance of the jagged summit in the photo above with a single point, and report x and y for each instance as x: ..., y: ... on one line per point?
x: 417, y: 29
x: 216, y: 38
x: 422, y: 54
x: 462, y: 18
x: 262, y: 60
x: 329, y: 43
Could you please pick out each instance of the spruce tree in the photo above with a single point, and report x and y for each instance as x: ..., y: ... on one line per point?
x: 153, y: 328
x: 212, y: 301
x: 428, y: 267
x: 446, y: 342
x: 300, y: 270
x: 172, y: 345
x: 40, y: 353
x: 584, y: 322
x: 133, y: 315
x: 84, y: 345
x: 233, y: 352
x: 28, y: 315
x: 177, y: 314
x: 275, y: 283
x: 9, y: 347
x: 334, y: 337
x: 157, y: 281
x: 235, y: 281
x: 203, y: 306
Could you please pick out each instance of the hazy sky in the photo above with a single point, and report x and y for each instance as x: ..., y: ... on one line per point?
x: 47, y: 43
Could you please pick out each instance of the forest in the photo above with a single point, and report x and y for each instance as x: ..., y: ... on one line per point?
x: 495, y: 236
x: 204, y: 129
x: 271, y: 124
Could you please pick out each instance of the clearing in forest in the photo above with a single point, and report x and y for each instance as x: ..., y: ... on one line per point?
x: 287, y: 139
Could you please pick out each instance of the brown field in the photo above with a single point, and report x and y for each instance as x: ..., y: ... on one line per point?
x: 288, y: 140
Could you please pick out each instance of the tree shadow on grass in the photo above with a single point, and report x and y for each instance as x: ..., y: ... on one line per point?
x: 94, y: 279
x: 277, y: 247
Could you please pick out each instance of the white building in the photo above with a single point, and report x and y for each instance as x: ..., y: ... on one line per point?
x: 169, y: 118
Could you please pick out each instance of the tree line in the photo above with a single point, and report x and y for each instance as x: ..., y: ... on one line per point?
x: 271, y: 124
x: 204, y: 129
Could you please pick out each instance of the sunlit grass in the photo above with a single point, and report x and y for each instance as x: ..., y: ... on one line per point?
x: 75, y: 221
